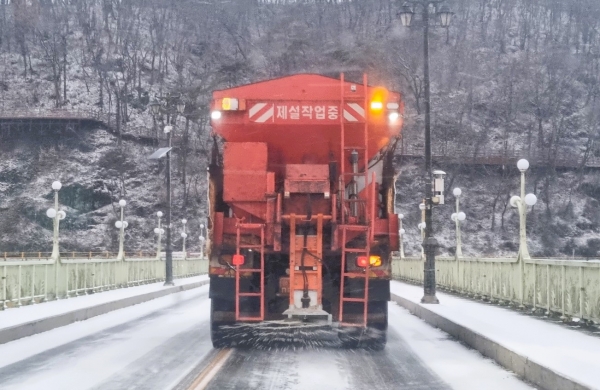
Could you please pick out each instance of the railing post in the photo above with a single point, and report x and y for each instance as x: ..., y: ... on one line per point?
x: 4, y: 287
x: 19, y: 287
x: 33, y: 284
x: 562, y: 284
x: 534, y: 285
x: 76, y: 279
x: 548, y: 298
x: 581, y: 294
x: 45, y: 282
x: 67, y: 280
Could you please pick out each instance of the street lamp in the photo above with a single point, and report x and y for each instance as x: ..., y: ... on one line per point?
x: 159, y: 231
x: 429, y: 243
x: 184, y: 236
x: 202, y: 240
x: 458, y: 217
x: 57, y: 215
x: 401, y: 232
x: 167, y: 110
x: 521, y: 202
x: 121, y: 225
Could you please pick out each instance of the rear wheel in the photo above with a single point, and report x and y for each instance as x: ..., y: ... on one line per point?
x: 219, y: 334
x: 374, y: 337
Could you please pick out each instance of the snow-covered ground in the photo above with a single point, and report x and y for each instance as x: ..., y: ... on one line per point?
x: 155, y: 345
x: 565, y: 351
x: 17, y: 316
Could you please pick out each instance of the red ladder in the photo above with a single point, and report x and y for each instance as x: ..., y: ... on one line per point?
x: 362, y: 149
x: 364, y: 251
x: 249, y: 227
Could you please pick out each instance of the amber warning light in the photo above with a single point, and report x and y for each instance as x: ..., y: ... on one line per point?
x: 374, y: 261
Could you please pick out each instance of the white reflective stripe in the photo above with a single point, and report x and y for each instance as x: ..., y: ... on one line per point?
x: 256, y: 108
x: 356, y: 107
x: 266, y: 115
x: 349, y: 117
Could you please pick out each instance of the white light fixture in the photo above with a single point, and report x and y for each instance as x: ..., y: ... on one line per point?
x: 445, y: 16
x: 523, y: 165
x: 457, y: 191
x: 159, y: 214
x: 168, y: 129
x: 215, y: 115
x: 402, y: 231
x: 51, y: 213
x: 118, y: 224
x: 393, y: 116
x: 61, y: 215
x: 56, y: 186
x: 406, y: 15
x: 453, y: 217
x: 157, y: 230
x: 461, y: 216
x: 184, y: 221
x: 400, y: 216
x: 184, y: 235
x: 530, y: 199
x: 122, y: 203
x: 422, y: 206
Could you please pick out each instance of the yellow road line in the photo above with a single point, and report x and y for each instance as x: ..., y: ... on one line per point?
x: 211, y: 370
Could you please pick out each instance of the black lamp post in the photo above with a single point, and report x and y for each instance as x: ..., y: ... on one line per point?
x: 429, y: 242
x: 167, y: 107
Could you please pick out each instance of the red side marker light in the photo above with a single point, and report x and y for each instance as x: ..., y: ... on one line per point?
x: 362, y: 261
x: 238, y: 260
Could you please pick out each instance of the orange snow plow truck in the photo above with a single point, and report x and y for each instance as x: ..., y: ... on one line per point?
x: 301, y: 206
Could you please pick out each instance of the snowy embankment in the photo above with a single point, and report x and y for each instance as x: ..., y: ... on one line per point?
x: 508, y: 335
x: 33, y: 319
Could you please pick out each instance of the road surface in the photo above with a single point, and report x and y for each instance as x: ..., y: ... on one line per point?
x: 165, y: 344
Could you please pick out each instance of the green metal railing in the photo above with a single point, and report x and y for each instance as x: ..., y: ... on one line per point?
x: 29, y: 278
x: 570, y: 288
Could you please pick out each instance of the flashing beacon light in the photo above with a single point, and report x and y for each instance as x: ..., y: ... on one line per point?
x: 378, y: 98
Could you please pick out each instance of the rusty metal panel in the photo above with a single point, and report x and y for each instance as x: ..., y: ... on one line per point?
x: 245, y: 156
x: 244, y: 186
x: 306, y: 178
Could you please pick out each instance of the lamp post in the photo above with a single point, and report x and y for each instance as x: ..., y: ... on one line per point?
x: 184, y: 236
x: 167, y: 110
x: 159, y: 232
x: 401, y: 232
x: 521, y: 202
x: 458, y: 217
x: 429, y: 243
x: 202, y: 240
x: 121, y: 225
x: 56, y: 215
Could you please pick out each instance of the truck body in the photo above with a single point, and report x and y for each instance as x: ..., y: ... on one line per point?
x: 301, y: 205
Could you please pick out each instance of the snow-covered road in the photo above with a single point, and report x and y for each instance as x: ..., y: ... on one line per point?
x: 165, y: 344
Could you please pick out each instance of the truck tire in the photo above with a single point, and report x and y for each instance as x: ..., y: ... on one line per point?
x: 218, y: 335
x: 374, y: 337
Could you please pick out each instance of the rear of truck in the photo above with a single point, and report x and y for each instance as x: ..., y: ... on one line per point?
x: 301, y: 216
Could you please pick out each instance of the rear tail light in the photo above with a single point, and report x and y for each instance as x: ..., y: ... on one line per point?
x: 361, y: 261
x: 238, y: 260
x: 373, y: 261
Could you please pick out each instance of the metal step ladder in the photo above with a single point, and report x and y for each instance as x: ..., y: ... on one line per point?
x: 361, y: 274
x: 356, y: 206
x: 241, y: 229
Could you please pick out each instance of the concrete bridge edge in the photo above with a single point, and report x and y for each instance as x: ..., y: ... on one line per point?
x: 45, y: 324
x: 531, y: 371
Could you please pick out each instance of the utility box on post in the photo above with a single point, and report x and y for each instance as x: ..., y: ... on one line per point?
x: 438, y: 187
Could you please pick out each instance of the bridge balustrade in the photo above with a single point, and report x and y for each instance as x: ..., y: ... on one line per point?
x: 29, y: 278
x: 570, y: 288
